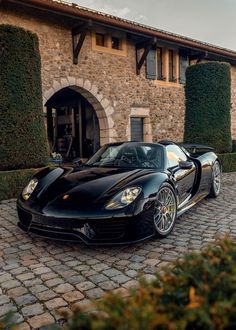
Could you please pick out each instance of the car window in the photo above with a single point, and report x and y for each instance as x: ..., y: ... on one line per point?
x: 132, y: 155
x: 175, y: 155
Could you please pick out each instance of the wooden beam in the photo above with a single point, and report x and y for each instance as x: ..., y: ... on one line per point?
x: 139, y: 63
x: 80, y: 28
x: 77, y: 46
x: 77, y: 42
x: 147, y: 45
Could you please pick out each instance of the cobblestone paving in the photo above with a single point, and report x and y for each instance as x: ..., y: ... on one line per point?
x: 38, y: 276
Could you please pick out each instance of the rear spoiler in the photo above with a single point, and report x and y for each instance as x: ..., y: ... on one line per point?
x: 194, y: 147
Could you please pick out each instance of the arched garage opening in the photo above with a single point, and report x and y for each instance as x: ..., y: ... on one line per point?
x: 72, y: 124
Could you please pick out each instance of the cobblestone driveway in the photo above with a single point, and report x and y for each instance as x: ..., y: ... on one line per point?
x: 38, y: 276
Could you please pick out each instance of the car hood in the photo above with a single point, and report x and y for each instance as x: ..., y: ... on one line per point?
x: 92, y: 185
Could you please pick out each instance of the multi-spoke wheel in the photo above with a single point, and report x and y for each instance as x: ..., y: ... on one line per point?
x: 164, y: 210
x: 216, y: 180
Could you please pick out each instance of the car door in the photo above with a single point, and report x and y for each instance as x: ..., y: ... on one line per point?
x: 184, y: 177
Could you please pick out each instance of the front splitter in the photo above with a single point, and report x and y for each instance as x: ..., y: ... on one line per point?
x: 62, y: 234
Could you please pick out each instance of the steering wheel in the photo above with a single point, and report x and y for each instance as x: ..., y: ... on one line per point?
x: 126, y: 159
x: 148, y: 163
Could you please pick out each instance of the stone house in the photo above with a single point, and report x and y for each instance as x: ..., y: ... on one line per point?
x: 108, y: 79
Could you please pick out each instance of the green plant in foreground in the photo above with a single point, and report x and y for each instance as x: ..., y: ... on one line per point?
x: 197, y: 292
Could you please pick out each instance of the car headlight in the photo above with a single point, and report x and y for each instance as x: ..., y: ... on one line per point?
x: 29, y: 188
x: 123, y: 198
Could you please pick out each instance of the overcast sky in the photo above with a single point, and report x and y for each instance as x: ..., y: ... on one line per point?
x: 212, y: 21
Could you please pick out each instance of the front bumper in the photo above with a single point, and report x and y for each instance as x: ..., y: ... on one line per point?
x: 97, y: 231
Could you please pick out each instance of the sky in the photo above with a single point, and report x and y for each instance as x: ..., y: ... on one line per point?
x: 212, y: 21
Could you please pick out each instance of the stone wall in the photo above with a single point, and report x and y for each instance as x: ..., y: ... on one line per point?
x: 108, y: 81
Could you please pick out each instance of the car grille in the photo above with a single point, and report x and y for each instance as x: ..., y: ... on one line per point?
x: 102, y: 228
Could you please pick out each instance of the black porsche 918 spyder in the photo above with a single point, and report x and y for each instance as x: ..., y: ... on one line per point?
x: 125, y: 193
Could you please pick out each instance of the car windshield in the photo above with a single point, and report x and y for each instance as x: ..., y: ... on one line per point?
x: 131, y: 155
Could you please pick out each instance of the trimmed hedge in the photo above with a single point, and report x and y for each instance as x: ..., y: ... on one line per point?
x: 208, y: 97
x: 228, y: 161
x: 12, y: 182
x: 22, y: 135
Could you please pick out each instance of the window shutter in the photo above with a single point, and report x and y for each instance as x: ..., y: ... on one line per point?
x: 183, y: 64
x: 151, y: 65
x: 136, y: 129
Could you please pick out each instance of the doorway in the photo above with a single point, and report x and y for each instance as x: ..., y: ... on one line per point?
x: 72, y: 125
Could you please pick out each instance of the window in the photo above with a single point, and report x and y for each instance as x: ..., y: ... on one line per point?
x: 115, y: 43
x: 137, y: 129
x: 142, y: 114
x: 100, y: 39
x: 166, y: 65
x: 132, y: 155
x: 183, y: 64
x: 172, y: 66
x: 159, y: 63
x: 175, y: 155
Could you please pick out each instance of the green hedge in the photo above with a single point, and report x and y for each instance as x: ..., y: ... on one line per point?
x: 12, y: 182
x: 228, y: 161
x: 22, y: 135
x: 208, y: 97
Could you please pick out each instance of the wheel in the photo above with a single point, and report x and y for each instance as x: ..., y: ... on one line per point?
x: 165, y: 210
x: 216, y: 180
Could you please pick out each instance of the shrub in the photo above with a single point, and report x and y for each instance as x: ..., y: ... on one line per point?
x: 228, y: 161
x: 12, y: 182
x: 208, y: 97
x: 197, y: 292
x: 23, y: 139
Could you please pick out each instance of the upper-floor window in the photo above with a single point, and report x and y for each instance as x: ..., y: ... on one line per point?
x: 100, y: 39
x: 115, y: 43
x: 168, y: 65
x: 159, y: 63
x: 109, y: 42
x: 172, y: 66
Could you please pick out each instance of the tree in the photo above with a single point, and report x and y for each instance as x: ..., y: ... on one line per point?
x: 208, y: 97
x: 23, y: 142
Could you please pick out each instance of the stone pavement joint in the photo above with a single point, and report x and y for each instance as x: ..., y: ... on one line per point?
x: 39, y: 277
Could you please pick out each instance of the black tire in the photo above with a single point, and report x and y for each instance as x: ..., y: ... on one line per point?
x: 216, y: 180
x: 165, y: 210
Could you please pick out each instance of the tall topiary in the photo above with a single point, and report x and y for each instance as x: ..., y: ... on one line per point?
x: 208, y: 96
x: 23, y: 142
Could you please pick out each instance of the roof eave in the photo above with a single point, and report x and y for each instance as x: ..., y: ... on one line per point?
x: 78, y: 12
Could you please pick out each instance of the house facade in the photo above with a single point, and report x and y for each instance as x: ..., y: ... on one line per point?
x: 106, y: 79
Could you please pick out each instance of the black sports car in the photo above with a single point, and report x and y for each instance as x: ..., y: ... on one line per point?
x: 126, y: 192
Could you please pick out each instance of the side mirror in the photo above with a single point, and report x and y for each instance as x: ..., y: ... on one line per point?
x: 185, y: 165
x: 77, y: 161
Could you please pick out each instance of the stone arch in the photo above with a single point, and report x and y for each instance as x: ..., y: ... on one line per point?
x: 101, y: 105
